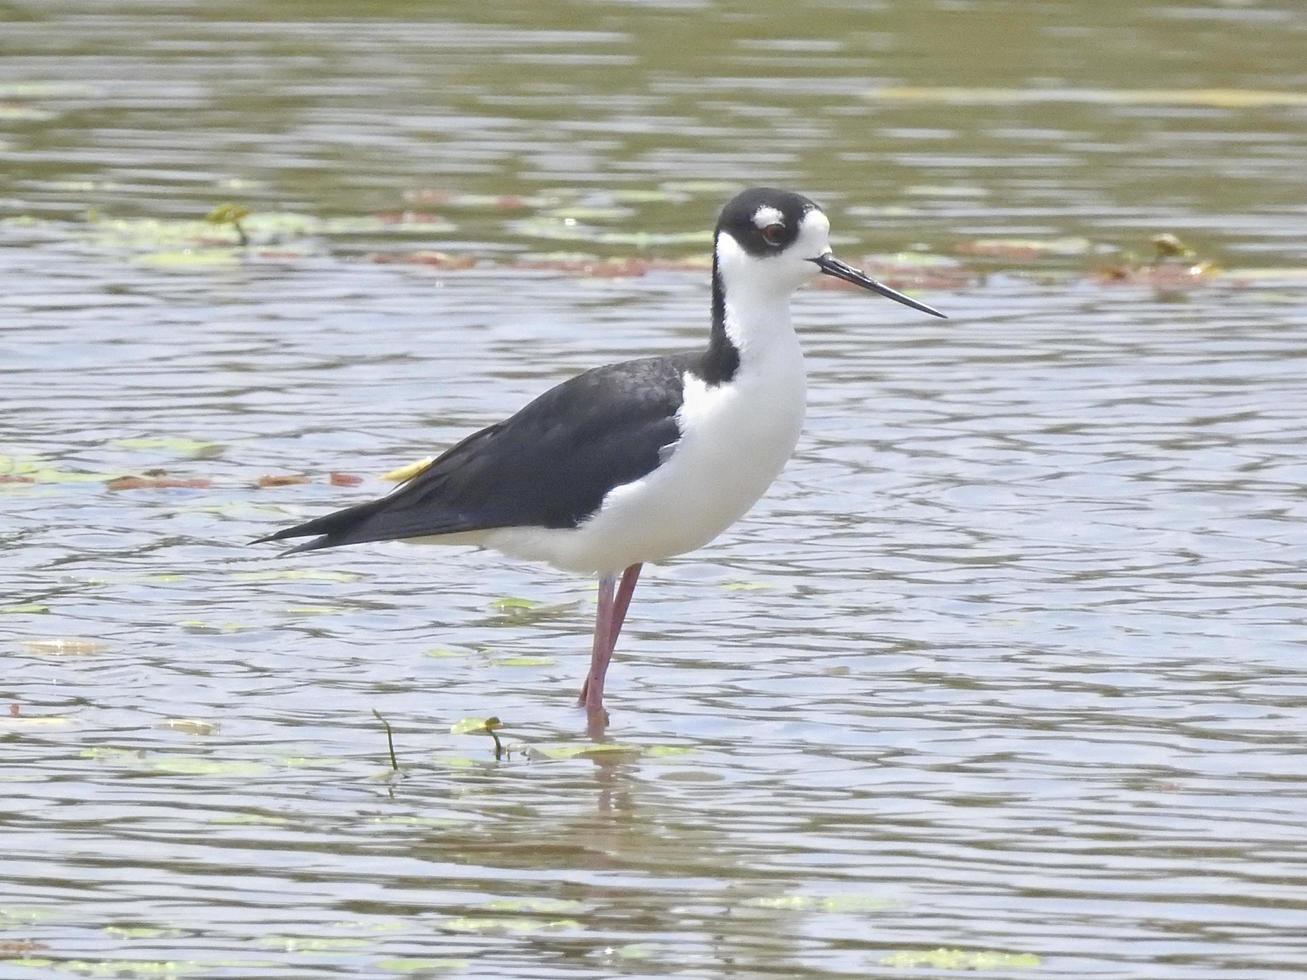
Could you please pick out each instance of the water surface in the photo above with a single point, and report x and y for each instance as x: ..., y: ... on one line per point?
x: 1009, y: 665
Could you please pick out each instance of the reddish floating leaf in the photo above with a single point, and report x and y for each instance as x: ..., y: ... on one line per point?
x: 344, y: 480
x: 157, y: 483
x: 282, y: 479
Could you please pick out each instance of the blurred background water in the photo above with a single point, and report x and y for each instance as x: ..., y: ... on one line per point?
x: 1005, y: 675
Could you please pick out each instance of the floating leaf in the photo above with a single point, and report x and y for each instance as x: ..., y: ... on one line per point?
x: 344, y: 479
x: 188, y: 258
x: 523, y: 661
x: 25, y: 609
x: 142, y: 932
x: 420, y: 964
x: 162, y: 482
x: 961, y: 959
x: 572, y: 750
x: 442, y: 653
x: 636, y: 951
x: 467, y: 725
x: 516, y: 925
x: 201, y: 627
x: 823, y: 903
x: 1027, y: 249
x: 456, y: 761
x: 195, y: 765
x: 65, y: 647
x: 173, y: 445
x: 312, y: 944
x: 17, y: 722
x: 746, y: 586
x: 281, y: 480
x: 510, y: 603
x: 189, y: 726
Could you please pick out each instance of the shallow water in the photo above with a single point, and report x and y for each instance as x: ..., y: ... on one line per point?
x: 1008, y: 664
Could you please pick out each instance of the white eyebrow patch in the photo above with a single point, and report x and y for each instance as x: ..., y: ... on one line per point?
x: 767, y: 215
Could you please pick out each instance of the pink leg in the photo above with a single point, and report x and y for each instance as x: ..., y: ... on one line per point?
x: 600, y: 649
x: 608, y: 623
x: 622, y: 603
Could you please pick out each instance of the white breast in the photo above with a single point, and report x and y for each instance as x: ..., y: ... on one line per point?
x: 735, y: 439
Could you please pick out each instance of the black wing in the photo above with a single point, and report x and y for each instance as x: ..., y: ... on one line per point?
x: 550, y: 465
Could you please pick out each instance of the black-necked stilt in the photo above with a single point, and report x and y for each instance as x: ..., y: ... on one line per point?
x: 638, y: 461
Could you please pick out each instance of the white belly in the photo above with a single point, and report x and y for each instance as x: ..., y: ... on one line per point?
x: 735, y: 440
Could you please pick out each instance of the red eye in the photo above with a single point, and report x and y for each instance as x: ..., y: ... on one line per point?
x: 773, y: 234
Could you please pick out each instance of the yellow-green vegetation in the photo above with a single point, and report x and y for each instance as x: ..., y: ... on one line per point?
x: 961, y: 959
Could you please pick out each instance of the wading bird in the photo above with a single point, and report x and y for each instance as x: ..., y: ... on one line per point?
x: 638, y: 461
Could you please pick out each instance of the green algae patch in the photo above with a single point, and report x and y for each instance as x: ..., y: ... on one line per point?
x: 15, y: 916
x: 20, y: 470
x: 523, y: 661
x: 9, y: 723
x: 960, y: 959
x: 142, y: 932
x: 824, y: 903
x: 314, y: 944
x: 172, y: 446
x: 508, y: 925
x: 174, y: 765
x: 516, y: 610
x: 198, y: 765
x: 128, y: 968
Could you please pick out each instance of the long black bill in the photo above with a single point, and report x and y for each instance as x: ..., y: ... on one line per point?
x: 832, y: 266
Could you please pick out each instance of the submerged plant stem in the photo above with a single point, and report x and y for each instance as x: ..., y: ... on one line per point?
x: 390, y: 739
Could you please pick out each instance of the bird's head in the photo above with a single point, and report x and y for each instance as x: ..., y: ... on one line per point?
x: 769, y: 240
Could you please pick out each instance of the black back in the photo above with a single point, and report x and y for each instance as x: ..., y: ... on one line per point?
x: 550, y: 465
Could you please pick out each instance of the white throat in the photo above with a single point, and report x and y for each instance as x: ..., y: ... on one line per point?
x: 756, y: 303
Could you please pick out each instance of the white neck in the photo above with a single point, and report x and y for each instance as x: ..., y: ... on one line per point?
x: 756, y: 304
